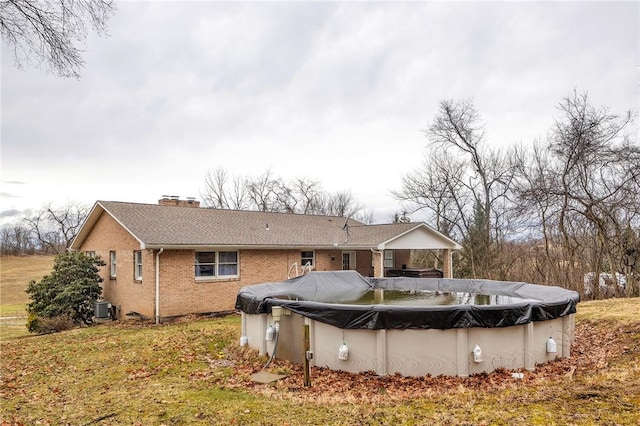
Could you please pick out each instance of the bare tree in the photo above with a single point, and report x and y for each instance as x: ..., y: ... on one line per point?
x: 52, y: 33
x: 465, y: 186
x: 584, y: 189
x: 55, y: 228
x: 307, y: 194
x: 341, y: 203
x: 457, y: 127
x: 267, y: 192
x: 437, y: 187
x: 263, y: 192
x: 222, y: 192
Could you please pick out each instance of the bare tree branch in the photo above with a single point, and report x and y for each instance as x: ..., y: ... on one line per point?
x: 52, y: 33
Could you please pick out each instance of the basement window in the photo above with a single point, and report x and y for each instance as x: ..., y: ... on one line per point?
x: 216, y: 264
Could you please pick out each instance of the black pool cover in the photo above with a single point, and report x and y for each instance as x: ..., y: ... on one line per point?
x: 321, y: 296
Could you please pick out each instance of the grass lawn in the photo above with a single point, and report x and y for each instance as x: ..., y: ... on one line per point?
x: 193, y: 372
x: 15, y: 274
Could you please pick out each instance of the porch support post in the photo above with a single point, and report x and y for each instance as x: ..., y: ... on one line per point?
x: 377, y: 259
x: 447, y: 263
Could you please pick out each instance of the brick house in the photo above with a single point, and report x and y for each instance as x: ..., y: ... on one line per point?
x: 175, y: 258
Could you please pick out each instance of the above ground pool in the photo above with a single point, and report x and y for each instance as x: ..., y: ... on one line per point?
x: 410, y: 326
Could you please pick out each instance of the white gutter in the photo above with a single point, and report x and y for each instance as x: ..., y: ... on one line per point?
x: 158, y: 284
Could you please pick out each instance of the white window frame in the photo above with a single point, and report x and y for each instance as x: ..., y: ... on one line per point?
x: 389, y: 259
x: 216, y: 265
x: 90, y: 253
x: 112, y: 264
x: 137, y: 265
x: 305, y: 259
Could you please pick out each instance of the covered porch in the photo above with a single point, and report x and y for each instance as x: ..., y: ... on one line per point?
x: 385, y: 250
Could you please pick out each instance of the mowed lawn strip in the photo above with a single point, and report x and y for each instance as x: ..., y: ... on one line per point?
x: 193, y: 372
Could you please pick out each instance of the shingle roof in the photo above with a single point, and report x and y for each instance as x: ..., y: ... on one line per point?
x: 160, y: 225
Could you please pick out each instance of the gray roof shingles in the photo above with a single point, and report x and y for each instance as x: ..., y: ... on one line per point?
x: 157, y: 225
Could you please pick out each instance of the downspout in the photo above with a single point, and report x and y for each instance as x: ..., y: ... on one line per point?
x: 158, y: 284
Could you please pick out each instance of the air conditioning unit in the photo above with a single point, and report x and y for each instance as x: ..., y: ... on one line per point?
x: 101, y: 309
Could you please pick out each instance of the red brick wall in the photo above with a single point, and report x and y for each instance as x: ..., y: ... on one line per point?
x: 364, y: 265
x: 107, y: 235
x: 180, y: 292
x: 178, y: 202
x: 402, y: 257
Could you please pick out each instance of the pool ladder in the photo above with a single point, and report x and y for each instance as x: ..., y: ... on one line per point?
x: 306, y: 267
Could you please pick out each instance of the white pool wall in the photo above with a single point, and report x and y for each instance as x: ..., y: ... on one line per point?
x: 414, y: 352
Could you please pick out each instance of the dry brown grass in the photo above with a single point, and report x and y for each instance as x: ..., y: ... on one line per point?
x: 15, y: 274
x: 620, y: 311
x: 193, y: 372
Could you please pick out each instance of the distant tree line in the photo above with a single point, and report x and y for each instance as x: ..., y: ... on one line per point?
x: 564, y: 211
x: 50, y: 230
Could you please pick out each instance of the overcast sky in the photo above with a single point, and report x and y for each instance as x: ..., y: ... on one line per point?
x: 338, y: 92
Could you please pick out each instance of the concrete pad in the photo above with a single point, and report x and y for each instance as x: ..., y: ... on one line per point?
x: 266, y: 377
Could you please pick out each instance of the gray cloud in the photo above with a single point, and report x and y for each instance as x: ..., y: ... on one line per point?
x: 10, y: 213
x: 328, y: 90
x: 8, y: 195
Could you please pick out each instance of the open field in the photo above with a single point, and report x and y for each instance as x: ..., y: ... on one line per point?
x: 193, y: 372
x: 15, y: 274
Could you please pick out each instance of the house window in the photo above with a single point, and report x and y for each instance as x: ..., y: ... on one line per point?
x: 91, y: 254
x: 228, y: 263
x: 307, y: 257
x: 389, y: 259
x: 137, y: 265
x: 216, y: 264
x: 112, y: 264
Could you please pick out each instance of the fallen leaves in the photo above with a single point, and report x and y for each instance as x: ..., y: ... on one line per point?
x: 592, y: 350
x: 194, y: 372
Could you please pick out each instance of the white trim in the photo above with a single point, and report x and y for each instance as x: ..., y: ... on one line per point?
x: 393, y: 258
x: 113, y: 264
x: 313, y: 258
x: 217, y: 263
x: 158, y: 285
x: 91, y: 220
x: 438, y: 235
x: 137, y: 277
